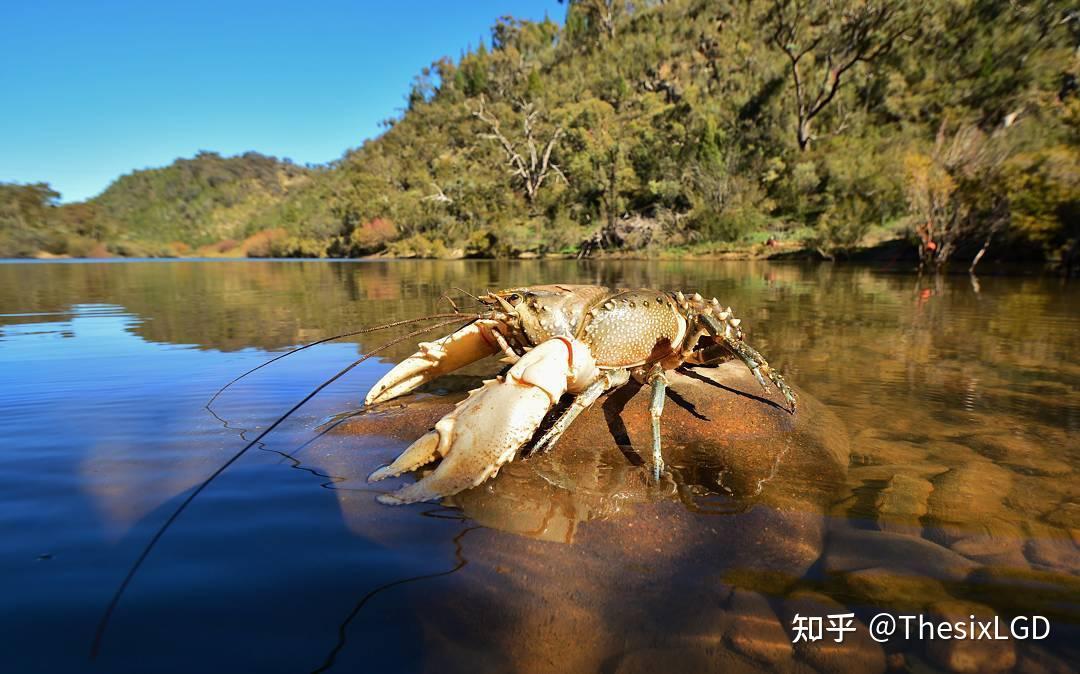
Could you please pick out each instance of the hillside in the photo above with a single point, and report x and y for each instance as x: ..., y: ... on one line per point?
x: 198, y: 201
x: 208, y: 201
x: 686, y: 126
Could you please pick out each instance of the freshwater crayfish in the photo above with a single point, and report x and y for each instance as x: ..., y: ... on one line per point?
x: 577, y: 339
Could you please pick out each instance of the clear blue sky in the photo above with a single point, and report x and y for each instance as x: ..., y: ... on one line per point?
x: 90, y: 90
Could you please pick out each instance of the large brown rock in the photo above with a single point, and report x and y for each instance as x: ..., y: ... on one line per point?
x: 583, y: 562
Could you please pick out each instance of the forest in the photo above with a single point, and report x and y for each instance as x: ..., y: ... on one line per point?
x: 946, y: 130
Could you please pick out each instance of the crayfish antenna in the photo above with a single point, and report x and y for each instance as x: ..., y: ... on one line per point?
x: 324, y: 340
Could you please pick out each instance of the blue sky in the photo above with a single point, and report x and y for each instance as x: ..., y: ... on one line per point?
x: 93, y: 90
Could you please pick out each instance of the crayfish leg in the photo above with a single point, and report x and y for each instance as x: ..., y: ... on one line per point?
x: 750, y: 357
x: 606, y: 382
x: 656, y: 409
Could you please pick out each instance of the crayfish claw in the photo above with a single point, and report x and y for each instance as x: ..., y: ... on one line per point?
x: 420, y: 453
x: 433, y: 359
x: 487, y: 429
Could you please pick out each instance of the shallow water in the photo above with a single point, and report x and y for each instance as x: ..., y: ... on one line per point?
x: 954, y: 414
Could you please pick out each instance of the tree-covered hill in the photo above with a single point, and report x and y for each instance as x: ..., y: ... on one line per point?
x: 206, y: 200
x: 198, y: 201
x: 685, y: 125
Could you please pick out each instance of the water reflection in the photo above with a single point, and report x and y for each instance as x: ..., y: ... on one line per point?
x: 938, y: 471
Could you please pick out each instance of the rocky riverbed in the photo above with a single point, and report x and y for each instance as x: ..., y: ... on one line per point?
x: 760, y: 516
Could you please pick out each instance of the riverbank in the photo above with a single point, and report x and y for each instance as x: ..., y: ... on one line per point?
x: 896, y: 252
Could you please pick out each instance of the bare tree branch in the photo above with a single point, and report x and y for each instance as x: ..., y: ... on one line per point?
x: 837, y: 38
x: 439, y: 196
x: 533, y: 168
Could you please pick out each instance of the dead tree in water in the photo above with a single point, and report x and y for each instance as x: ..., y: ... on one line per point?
x: 952, y: 192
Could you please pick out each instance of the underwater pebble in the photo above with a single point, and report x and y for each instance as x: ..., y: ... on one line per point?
x: 887, y: 588
x: 757, y: 632
x: 854, y: 549
x: 968, y: 655
x: 902, y: 503
x: 1051, y: 547
x: 968, y: 500
x: 858, y: 653
x: 990, y: 550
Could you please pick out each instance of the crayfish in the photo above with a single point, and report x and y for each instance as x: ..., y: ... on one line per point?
x: 559, y: 339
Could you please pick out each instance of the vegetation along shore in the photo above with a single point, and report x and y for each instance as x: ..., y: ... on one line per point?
x: 942, y: 130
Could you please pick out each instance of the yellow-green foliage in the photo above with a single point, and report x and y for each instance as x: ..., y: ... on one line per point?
x: 197, y: 201
x: 682, y: 114
x: 1044, y: 196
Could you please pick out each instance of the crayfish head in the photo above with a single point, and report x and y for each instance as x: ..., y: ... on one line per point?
x: 538, y: 313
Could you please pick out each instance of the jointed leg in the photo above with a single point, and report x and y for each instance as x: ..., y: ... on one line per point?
x: 500, y: 339
x: 606, y: 382
x: 656, y: 408
x: 750, y: 356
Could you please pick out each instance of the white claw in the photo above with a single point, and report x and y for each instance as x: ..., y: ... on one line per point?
x: 470, y: 343
x: 486, y: 430
x: 735, y: 322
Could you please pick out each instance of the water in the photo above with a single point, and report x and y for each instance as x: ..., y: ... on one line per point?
x: 946, y: 420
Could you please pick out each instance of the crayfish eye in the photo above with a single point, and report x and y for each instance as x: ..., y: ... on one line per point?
x: 513, y: 299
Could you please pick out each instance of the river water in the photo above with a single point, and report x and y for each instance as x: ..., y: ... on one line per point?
x: 947, y: 484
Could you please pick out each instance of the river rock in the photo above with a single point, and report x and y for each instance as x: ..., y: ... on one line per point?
x: 584, y: 563
x: 1020, y: 453
x: 1052, y: 547
x: 1066, y: 515
x: 1037, y: 660
x: 1034, y: 592
x: 886, y: 588
x: 857, y: 653
x: 851, y: 549
x: 902, y: 503
x: 967, y: 500
x: 757, y: 632
x: 967, y: 655
x: 992, y: 551
x: 869, y: 448
x: 652, y: 660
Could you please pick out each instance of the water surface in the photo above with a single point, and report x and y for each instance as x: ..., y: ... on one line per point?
x: 957, y: 411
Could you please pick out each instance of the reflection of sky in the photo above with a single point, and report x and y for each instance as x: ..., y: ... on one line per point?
x: 88, y: 385
x: 102, y: 430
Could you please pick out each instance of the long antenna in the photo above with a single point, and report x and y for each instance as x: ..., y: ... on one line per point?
x: 99, y: 635
x: 330, y: 339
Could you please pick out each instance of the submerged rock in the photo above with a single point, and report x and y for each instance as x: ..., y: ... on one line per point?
x: 857, y: 653
x: 855, y: 549
x: 969, y: 500
x: 902, y: 503
x: 726, y: 446
x: 584, y: 563
x: 968, y: 655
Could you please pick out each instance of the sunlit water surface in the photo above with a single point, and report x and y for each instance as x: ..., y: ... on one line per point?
x: 959, y: 411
